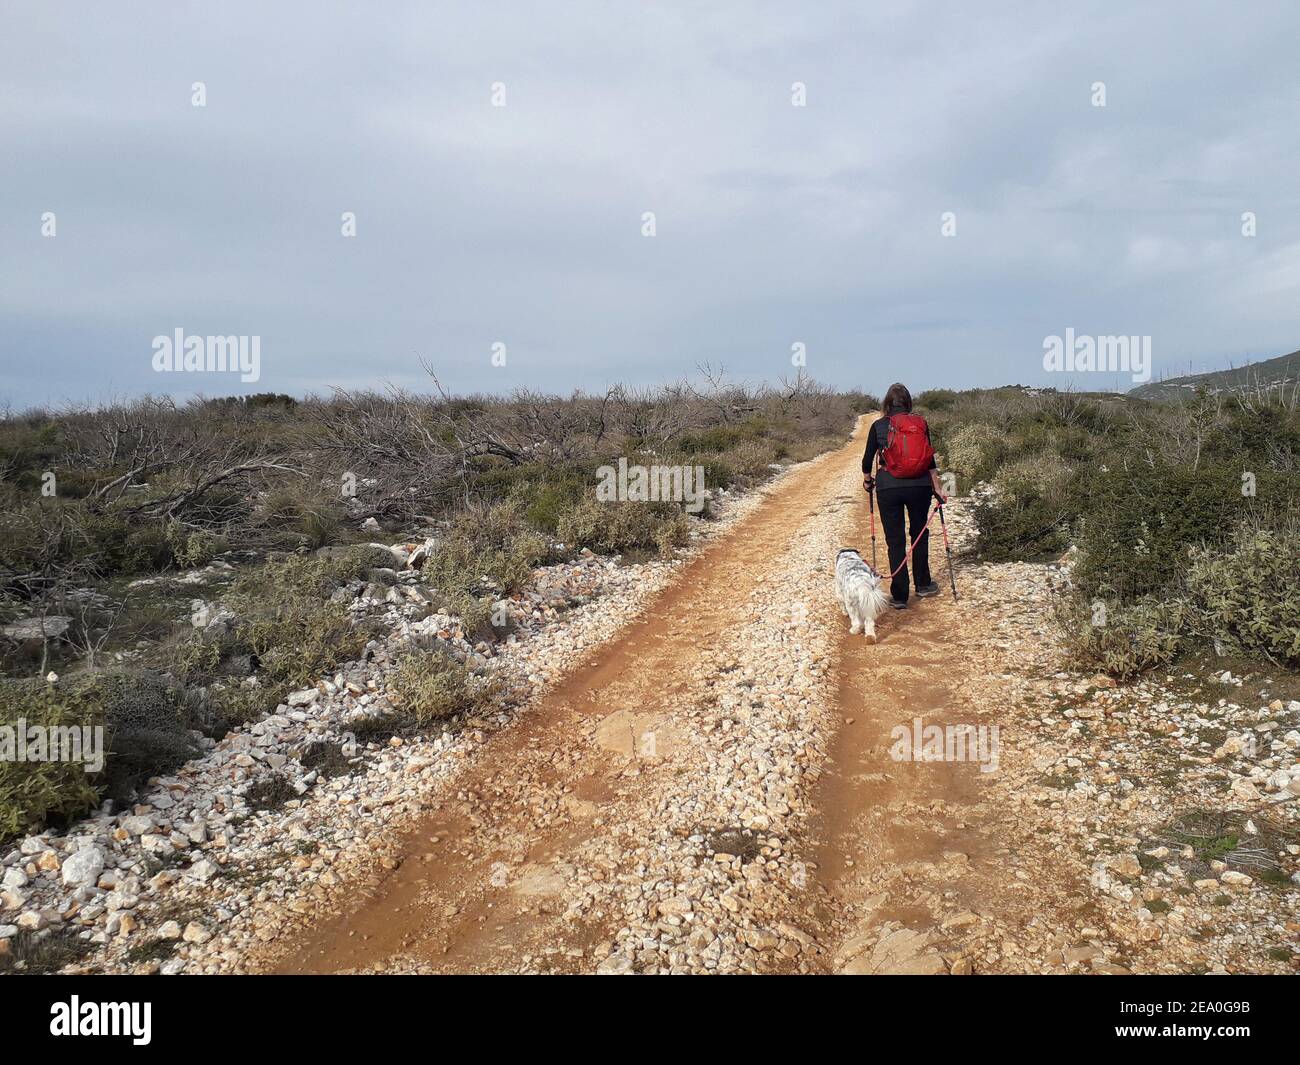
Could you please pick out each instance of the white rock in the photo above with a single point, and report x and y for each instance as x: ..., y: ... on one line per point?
x: 615, y: 965
x: 202, y: 871
x: 196, y: 933
x: 83, y: 867
x: 138, y: 824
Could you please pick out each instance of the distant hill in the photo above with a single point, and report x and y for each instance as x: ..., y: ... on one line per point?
x: 1271, y: 373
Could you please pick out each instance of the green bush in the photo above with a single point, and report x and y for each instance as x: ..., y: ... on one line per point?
x: 609, y: 527
x: 35, y: 793
x: 1042, y: 475
x: 492, y: 543
x: 724, y: 437
x: 431, y: 686
x: 1127, y: 639
x: 192, y: 547
x: 68, y: 534
x: 752, y: 458
x: 296, y: 641
x: 804, y: 450
x: 1140, y: 522
x: 720, y: 469
x: 546, y: 502
x: 1030, y: 511
x: 146, y: 723
x: 1246, y: 595
x: 269, y: 792
x: 973, y: 451
x: 474, y: 612
x: 287, y: 624
x: 937, y: 399
x: 1019, y: 529
x: 299, y: 514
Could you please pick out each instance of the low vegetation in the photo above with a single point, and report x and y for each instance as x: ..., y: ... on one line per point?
x: 270, y: 508
x: 1181, y: 523
x: 1181, y: 520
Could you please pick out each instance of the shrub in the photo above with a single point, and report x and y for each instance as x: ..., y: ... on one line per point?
x: 624, y: 526
x: 1246, y: 595
x: 269, y: 792
x: 492, y: 543
x: 288, y: 626
x: 193, y: 547
x: 326, y: 757
x: 474, y: 613
x: 720, y: 470
x: 974, y: 450
x: 45, y: 952
x: 546, y: 502
x: 229, y: 706
x: 752, y: 458
x: 1133, y: 638
x: 146, y: 723
x: 1015, y: 528
x: 431, y: 686
x: 59, y: 533
x: 298, y: 513
x: 803, y: 450
x: 1030, y: 511
x: 1141, y: 521
x: 1044, y: 476
x: 297, y: 640
x: 936, y: 399
x: 34, y: 793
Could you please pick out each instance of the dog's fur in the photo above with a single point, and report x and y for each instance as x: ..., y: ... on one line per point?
x: 862, y: 593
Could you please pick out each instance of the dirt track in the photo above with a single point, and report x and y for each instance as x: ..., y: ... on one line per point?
x: 642, y: 817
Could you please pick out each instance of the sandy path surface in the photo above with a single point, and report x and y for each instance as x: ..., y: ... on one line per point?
x: 712, y: 790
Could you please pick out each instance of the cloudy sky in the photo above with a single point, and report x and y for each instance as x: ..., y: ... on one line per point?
x: 522, y: 225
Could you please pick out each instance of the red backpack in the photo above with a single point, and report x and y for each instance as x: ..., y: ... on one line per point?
x: 907, y: 450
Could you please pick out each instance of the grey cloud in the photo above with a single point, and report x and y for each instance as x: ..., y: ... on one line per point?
x: 521, y: 224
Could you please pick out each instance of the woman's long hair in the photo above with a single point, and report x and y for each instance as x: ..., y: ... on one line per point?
x: 898, y: 400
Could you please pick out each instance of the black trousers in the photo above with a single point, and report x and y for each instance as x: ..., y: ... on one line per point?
x: 893, y: 503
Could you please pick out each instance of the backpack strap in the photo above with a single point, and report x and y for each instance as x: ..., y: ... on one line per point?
x: 882, y: 432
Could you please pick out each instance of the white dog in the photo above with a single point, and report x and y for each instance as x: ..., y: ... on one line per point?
x: 862, y: 595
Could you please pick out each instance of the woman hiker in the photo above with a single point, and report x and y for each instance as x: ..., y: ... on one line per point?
x: 905, y: 481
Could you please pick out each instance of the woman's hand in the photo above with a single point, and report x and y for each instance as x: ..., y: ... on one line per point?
x: 934, y: 484
x: 868, y: 482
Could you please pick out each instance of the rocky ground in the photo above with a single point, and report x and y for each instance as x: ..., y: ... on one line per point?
x: 1150, y: 827
x: 205, y: 866
x: 697, y: 775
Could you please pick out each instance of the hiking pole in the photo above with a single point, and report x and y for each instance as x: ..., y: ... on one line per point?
x: 947, y: 551
x: 871, y: 503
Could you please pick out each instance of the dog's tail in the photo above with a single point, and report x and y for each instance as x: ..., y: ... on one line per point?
x: 871, y: 598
